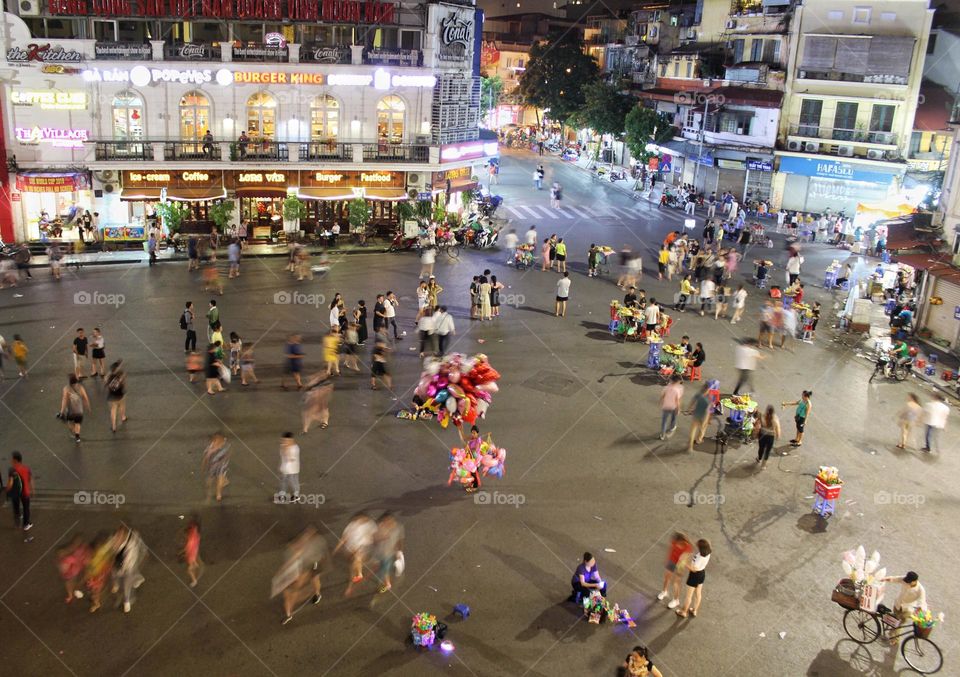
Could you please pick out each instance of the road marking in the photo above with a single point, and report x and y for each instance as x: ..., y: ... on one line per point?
x: 516, y: 212
x: 533, y: 210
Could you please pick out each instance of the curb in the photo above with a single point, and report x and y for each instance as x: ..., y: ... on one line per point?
x: 69, y: 262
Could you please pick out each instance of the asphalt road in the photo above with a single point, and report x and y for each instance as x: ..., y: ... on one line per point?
x: 578, y: 414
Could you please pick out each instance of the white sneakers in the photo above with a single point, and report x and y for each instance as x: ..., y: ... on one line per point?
x: 661, y: 595
x: 674, y: 603
x: 126, y: 607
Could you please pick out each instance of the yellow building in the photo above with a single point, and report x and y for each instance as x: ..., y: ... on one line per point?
x: 851, y: 91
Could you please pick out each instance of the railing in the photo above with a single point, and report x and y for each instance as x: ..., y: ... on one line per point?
x: 393, y: 152
x: 123, y: 150
x: 190, y: 150
x: 251, y: 151
x: 329, y: 151
x: 810, y: 131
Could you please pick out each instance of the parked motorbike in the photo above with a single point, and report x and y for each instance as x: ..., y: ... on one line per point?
x: 893, y: 369
x: 616, y: 175
x: 569, y: 155
x: 401, y: 243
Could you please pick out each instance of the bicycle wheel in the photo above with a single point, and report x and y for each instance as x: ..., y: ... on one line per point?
x: 862, y: 627
x: 453, y: 251
x: 922, y: 655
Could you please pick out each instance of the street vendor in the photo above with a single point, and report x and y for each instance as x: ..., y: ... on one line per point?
x: 912, y: 595
x: 587, y: 578
x: 796, y: 291
x: 630, y: 298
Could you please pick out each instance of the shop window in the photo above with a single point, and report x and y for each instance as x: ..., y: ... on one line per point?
x: 324, y: 118
x: 261, y: 116
x: 390, y: 114
x: 128, y: 117
x: 194, y: 116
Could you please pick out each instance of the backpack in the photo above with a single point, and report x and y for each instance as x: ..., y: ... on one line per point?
x: 183, y: 320
x: 115, y: 384
x: 16, y: 488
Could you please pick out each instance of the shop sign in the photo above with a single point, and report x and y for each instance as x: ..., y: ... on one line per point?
x: 729, y: 164
x: 489, y: 54
x: 759, y: 165
x: 258, y: 52
x: 348, y: 11
x: 381, y: 79
x: 49, y: 99
x: 468, y: 151
x: 122, y: 50
x: 320, y: 54
x: 141, y: 76
x: 52, y: 183
x: 275, y: 40
x: 832, y: 169
x: 455, y: 35
x: 257, y: 177
x: 424, y: 196
x: 149, y: 177
x: 57, y: 69
x: 121, y: 233
x: 43, y: 53
x: 320, y: 177
x: 195, y: 176
x: 392, y: 57
x: 376, y: 177
x: 55, y: 136
x: 191, y: 51
x: 276, y: 78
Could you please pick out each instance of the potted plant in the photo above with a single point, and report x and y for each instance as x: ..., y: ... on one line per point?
x: 172, y: 214
x: 358, y: 215
x: 294, y: 209
x: 221, y: 213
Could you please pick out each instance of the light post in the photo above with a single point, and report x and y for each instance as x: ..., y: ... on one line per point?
x: 700, y: 135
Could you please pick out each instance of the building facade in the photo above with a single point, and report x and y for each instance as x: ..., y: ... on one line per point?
x: 326, y: 100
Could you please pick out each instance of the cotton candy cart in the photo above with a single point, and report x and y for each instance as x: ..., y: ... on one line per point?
x: 826, y: 495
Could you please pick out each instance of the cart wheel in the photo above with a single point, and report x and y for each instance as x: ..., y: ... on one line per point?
x: 862, y: 627
x: 922, y: 655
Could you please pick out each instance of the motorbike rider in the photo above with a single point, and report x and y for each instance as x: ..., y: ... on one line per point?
x: 900, y: 352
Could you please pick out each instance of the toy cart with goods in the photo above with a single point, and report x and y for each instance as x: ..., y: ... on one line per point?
x: 826, y: 488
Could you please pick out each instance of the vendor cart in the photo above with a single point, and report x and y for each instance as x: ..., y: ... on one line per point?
x: 825, y: 503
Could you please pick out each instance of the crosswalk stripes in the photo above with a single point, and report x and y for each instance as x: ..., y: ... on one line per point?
x: 568, y: 211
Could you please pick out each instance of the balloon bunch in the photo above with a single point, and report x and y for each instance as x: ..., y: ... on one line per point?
x: 481, y: 456
x: 457, y: 388
x: 860, y: 569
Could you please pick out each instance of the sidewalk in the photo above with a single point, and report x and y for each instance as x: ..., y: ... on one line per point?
x: 167, y: 255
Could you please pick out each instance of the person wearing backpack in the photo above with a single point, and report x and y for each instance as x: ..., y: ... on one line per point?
x: 19, y: 489
x: 73, y: 403
x: 117, y: 394
x: 186, y: 324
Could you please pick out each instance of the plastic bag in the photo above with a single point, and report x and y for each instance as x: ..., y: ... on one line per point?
x: 400, y: 563
x: 224, y: 373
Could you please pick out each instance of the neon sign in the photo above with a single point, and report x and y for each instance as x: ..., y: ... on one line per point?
x: 327, y: 178
x: 376, y: 178
x: 55, y: 136
x: 50, y: 100
x: 467, y: 151
x: 149, y: 178
x: 141, y: 76
x: 273, y: 177
x: 195, y: 176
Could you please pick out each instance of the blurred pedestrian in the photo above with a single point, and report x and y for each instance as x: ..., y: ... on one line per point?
x: 935, y: 413
x: 299, y: 577
x: 215, y: 463
x: 356, y: 542
x: 769, y: 433
x: 293, y: 352
x: 331, y: 350
x: 73, y: 403
x: 908, y: 417
x: 19, y: 490
x: 131, y: 552
x: 316, y: 401
x: 212, y: 370
x: 99, y: 567
x: 360, y: 317
x: 116, y: 385
x: 445, y: 327
x: 289, y: 469
x: 351, y: 339
x: 191, y: 550
x: 680, y: 546
x: 72, y: 560
x: 380, y: 368
x: 20, y: 352
x: 700, y: 409
x: 670, y: 398
x: 388, y: 547
x: 194, y: 364
x: 233, y: 256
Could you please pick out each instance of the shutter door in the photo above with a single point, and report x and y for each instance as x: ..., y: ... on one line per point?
x: 706, y: 179
x: 819, y: 53
x: 852, y: 55
x: 795, y: 192
x: 758, y: 184
x: 731, y: 180
x: 939, y: 319
x: 890, y: 55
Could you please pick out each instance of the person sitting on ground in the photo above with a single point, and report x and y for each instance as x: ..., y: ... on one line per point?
x: 586, y: 579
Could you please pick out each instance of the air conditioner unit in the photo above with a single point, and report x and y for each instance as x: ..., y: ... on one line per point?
x: 731, y: 24
x: 845, y: 151
x: 802, y: 75
x: 423, y: 139
x: 416, y: 181
x: 811, y: 147
x: 28, y: 7
x: 740, y: 131
x: 105, y: 176
x: 109, y: 188
x: 691, y: 33
x: 795, y: 146
x: 874, y: 154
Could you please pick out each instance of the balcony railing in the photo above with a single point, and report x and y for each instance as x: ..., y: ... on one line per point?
x: 809, y: 131
x: 123, y: 150
x: 326, y: 151
x: 395, y: 152
x: 190, y: 150
x: 253, y: 151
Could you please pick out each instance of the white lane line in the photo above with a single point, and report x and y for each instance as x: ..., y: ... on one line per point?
x: 515, y: 212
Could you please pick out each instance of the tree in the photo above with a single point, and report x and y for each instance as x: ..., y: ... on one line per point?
x: 645, y: 126
x: 491, y: 89
x: 358, y: 214
x: 294, y: 209
x: 222, y: 212
x: 173, y: 214
x: 606, y: 109
x: 557, y: 73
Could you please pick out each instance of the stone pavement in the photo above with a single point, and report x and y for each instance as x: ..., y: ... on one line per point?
x: 578, y: 414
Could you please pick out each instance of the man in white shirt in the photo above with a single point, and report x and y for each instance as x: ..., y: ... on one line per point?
x: 912, y: 595
x: 563, y: 293
x: 935, y: 413
x: 745, y: 358
x: 532, y: 236
x: 510, y: 241
x: 445, y: 327
x: 793, y: 268
x: 390, y: 313
x: 289, y: 469
x: 708, y: 289
x: 651, y: 316
x: 739, y: 303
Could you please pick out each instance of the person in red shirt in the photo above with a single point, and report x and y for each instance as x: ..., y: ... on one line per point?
x: 19, y: 489
x: 680, y: 545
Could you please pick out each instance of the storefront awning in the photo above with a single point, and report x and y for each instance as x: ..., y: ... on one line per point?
x: 386, y: 194
x: 311, y: 193
x: 262, y: 191
x: 141, y: 194
x: 196, y: 194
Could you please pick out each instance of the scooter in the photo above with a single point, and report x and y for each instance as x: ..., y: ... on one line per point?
x: 616, y: 175
x: 402, y: 244
x: 897, y: 370
x: 569, y: 155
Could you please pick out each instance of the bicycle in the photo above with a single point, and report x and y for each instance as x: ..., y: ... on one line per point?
x: 864, y: 627
x: 451, y: 249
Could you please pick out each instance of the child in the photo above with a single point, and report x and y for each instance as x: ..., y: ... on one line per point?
x: 216, y: 336
x: 194, y: 365
x: 191, y: 551
x: 20, y: 351
x: 247, y: 364
x: 331, y: 352
x: 211, y: 279
x: 679, y: 547
x: 350, y: 342
x: 815, y: 316
x: 236, y: 347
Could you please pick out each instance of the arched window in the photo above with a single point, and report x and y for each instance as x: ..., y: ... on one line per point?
x: 128, y: 116
x: 262, y: 116
x: 324, y: 118
x: 390, y: 114
x: 194, y: 116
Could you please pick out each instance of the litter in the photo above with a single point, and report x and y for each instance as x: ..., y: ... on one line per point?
x: 782, y: 635
x: 763, y: 635
x: 433, y: 588
x: 609, y: 550
x: 481, y: 340
x: 20, y: 296
x: 597, y: 517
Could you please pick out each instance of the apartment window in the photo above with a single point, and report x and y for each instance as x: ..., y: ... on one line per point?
x: 810, y: 111
x: 676, y: 69
x: 756, y: 50
x: 881, y: 124
x: 663, y: 70
x: 736, y: 123
x: 835, y: 15
x: 689, y: 69
x: 845, y: 121
x: 915, y: 139
x: 324, y: 118
x: 861, y: 15
x: 888, y: 16
x: 691, y: 119
x: 738, y: 51
x: 262, y: 116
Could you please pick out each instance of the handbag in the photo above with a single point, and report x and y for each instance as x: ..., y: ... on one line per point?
x: 224, y: 373
x: 400, y: 563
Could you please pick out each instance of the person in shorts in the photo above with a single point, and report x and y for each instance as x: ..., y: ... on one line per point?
x: 97, y: 353
x: 294, y: 361
x: 116, y: 383
x: 563, y: 293
x: 680, y: 546
x: 379, y: 368
x: 73, y: 402
x: 80, y: 353
x: 696, y: 565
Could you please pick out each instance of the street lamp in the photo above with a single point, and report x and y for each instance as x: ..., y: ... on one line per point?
x: 700, y: 135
